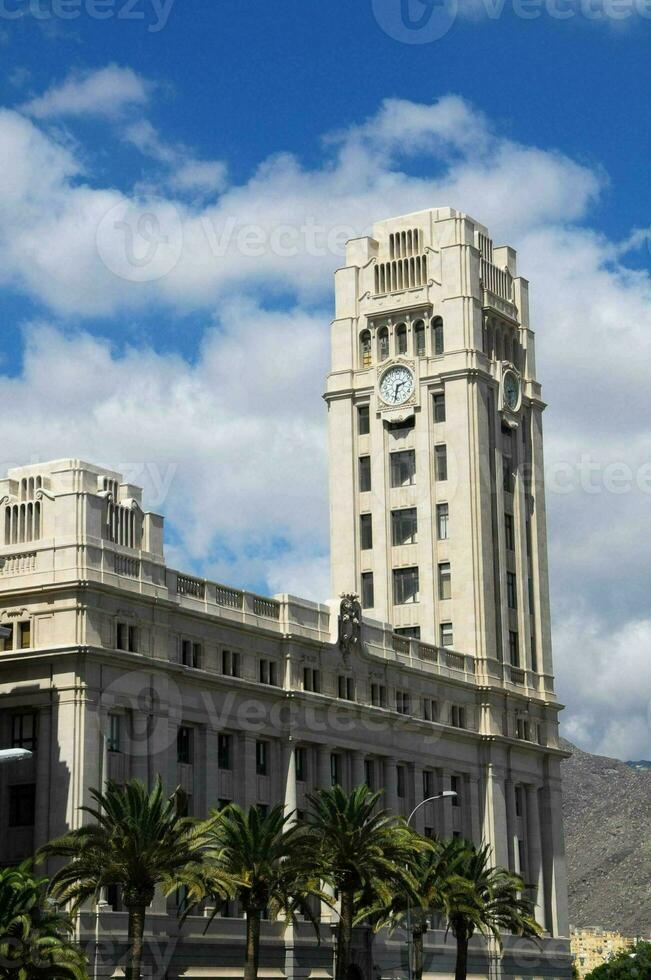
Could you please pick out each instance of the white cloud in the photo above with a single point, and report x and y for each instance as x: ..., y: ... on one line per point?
x: 104, y: 92
x: 240, y: 467
x: 186, y: 172
x: 249, y: 492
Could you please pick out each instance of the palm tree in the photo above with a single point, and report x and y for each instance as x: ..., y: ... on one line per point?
x: 480, y: 898
x: 138, y: 840
x: 266, y: 855
x: 362, y: 851
x: 34, y: 934
x: 431, y: 869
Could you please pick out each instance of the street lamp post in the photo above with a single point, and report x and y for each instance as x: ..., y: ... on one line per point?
x: 446, y: 794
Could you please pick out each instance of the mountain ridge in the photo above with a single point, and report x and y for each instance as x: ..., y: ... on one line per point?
x: 606, y: 810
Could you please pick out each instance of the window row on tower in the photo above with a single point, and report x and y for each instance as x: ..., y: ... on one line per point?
x: 402, y: 339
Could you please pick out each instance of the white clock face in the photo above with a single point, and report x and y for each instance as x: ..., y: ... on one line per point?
x: 511, y: 390
x: 397, y: 385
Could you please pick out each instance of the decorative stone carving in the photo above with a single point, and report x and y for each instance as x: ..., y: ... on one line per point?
x: 350, y: 623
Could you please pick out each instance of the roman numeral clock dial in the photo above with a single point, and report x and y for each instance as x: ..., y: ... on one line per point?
x: 396, y: 385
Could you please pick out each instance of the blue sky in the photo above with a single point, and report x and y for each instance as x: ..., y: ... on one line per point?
x: 286, y: 114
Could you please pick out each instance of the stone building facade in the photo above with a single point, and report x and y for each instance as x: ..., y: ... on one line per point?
x: 115, y: 665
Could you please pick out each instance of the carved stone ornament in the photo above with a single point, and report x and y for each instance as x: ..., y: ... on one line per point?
x: 350, y: 623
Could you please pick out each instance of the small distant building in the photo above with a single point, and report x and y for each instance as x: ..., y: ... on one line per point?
x: 591, y: 947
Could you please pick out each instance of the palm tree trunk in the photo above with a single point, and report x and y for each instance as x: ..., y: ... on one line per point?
x: 461, y: 969
x: 135, y: 950
x: 344, y: 935
x: 252, y: 946
x: 417, y: 971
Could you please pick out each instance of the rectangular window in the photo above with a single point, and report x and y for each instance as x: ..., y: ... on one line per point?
x: 190, y: 653
x: 366, y: 531
x: 403, y: 468
x: 368, y: 592
x: 442, y: 521
x: 413, y: 632
x: 24, y: 635
x: 113, y: 739
x: 428, y: 784
x: 363, y: 420
x: 122, y: 636
x: 231, y: 663
x: 23, y: 730
x: 184, y: 745
x: 311, y: 680
x: 534, y: 654
x: 430, y: 709
x: 509, y: 535
x: 439, y: 407
x: 441, y: 462
x: 445, y: 580
x: 364, y: 474
x: 268, y: 672
x: 405, y: 585
x: 519, y: 809
x: 6, y: 638
x: 458, y: 716
x: 404, y: 526
x: 369, y: 773
x: 335, y: 769
x: 455, y: 786
x: 225, y: 751
x: 22, y: 805
x: 514, y: 651
x: 401, y: 781
x: 447, y: 635
x: 511, y: 591
x: 403, y: 703
x: 261, y: 758
x: 346, y: 687
x: 507, y: 474
x: 378, y: 695
x: 301, y: 764
x: 438, y: 342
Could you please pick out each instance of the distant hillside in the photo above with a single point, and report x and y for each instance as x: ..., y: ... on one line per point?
x: 607, y: 811
x: 639, y: 764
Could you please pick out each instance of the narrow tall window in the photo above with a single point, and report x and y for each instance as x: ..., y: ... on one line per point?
x: 25, y: 635
x: 401, y: 781
x: 404, y: 526
x: 383, y: 343
x: 113, y: 739
x: 363, y: 420
x: 369, y: 773
x: 439, y: 406
x: 261, y: 758
x: 335, y: 769
x: 346, y: 687
x: 447, y: 635
x: 401, y: 339
x: 184, y: 745
x: 441, y: 461
x: 514, y: 649
x: 368, y: 593
x: 364, y: 474
x: 445, y: 580
x: 405, y: 585
x: 442, y: 521
x: 455, y: 786
x: 366, y: 531
x: 438, y: 344
x: 511, y: 590
x: 403, y: 468
x: 224, y: 751
x: 419, y: 338
x: 509, y: 536
x: 365, y: 348
x: 301, y: 764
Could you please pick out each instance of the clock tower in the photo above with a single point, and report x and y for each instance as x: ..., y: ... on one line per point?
x: 436, y: 486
